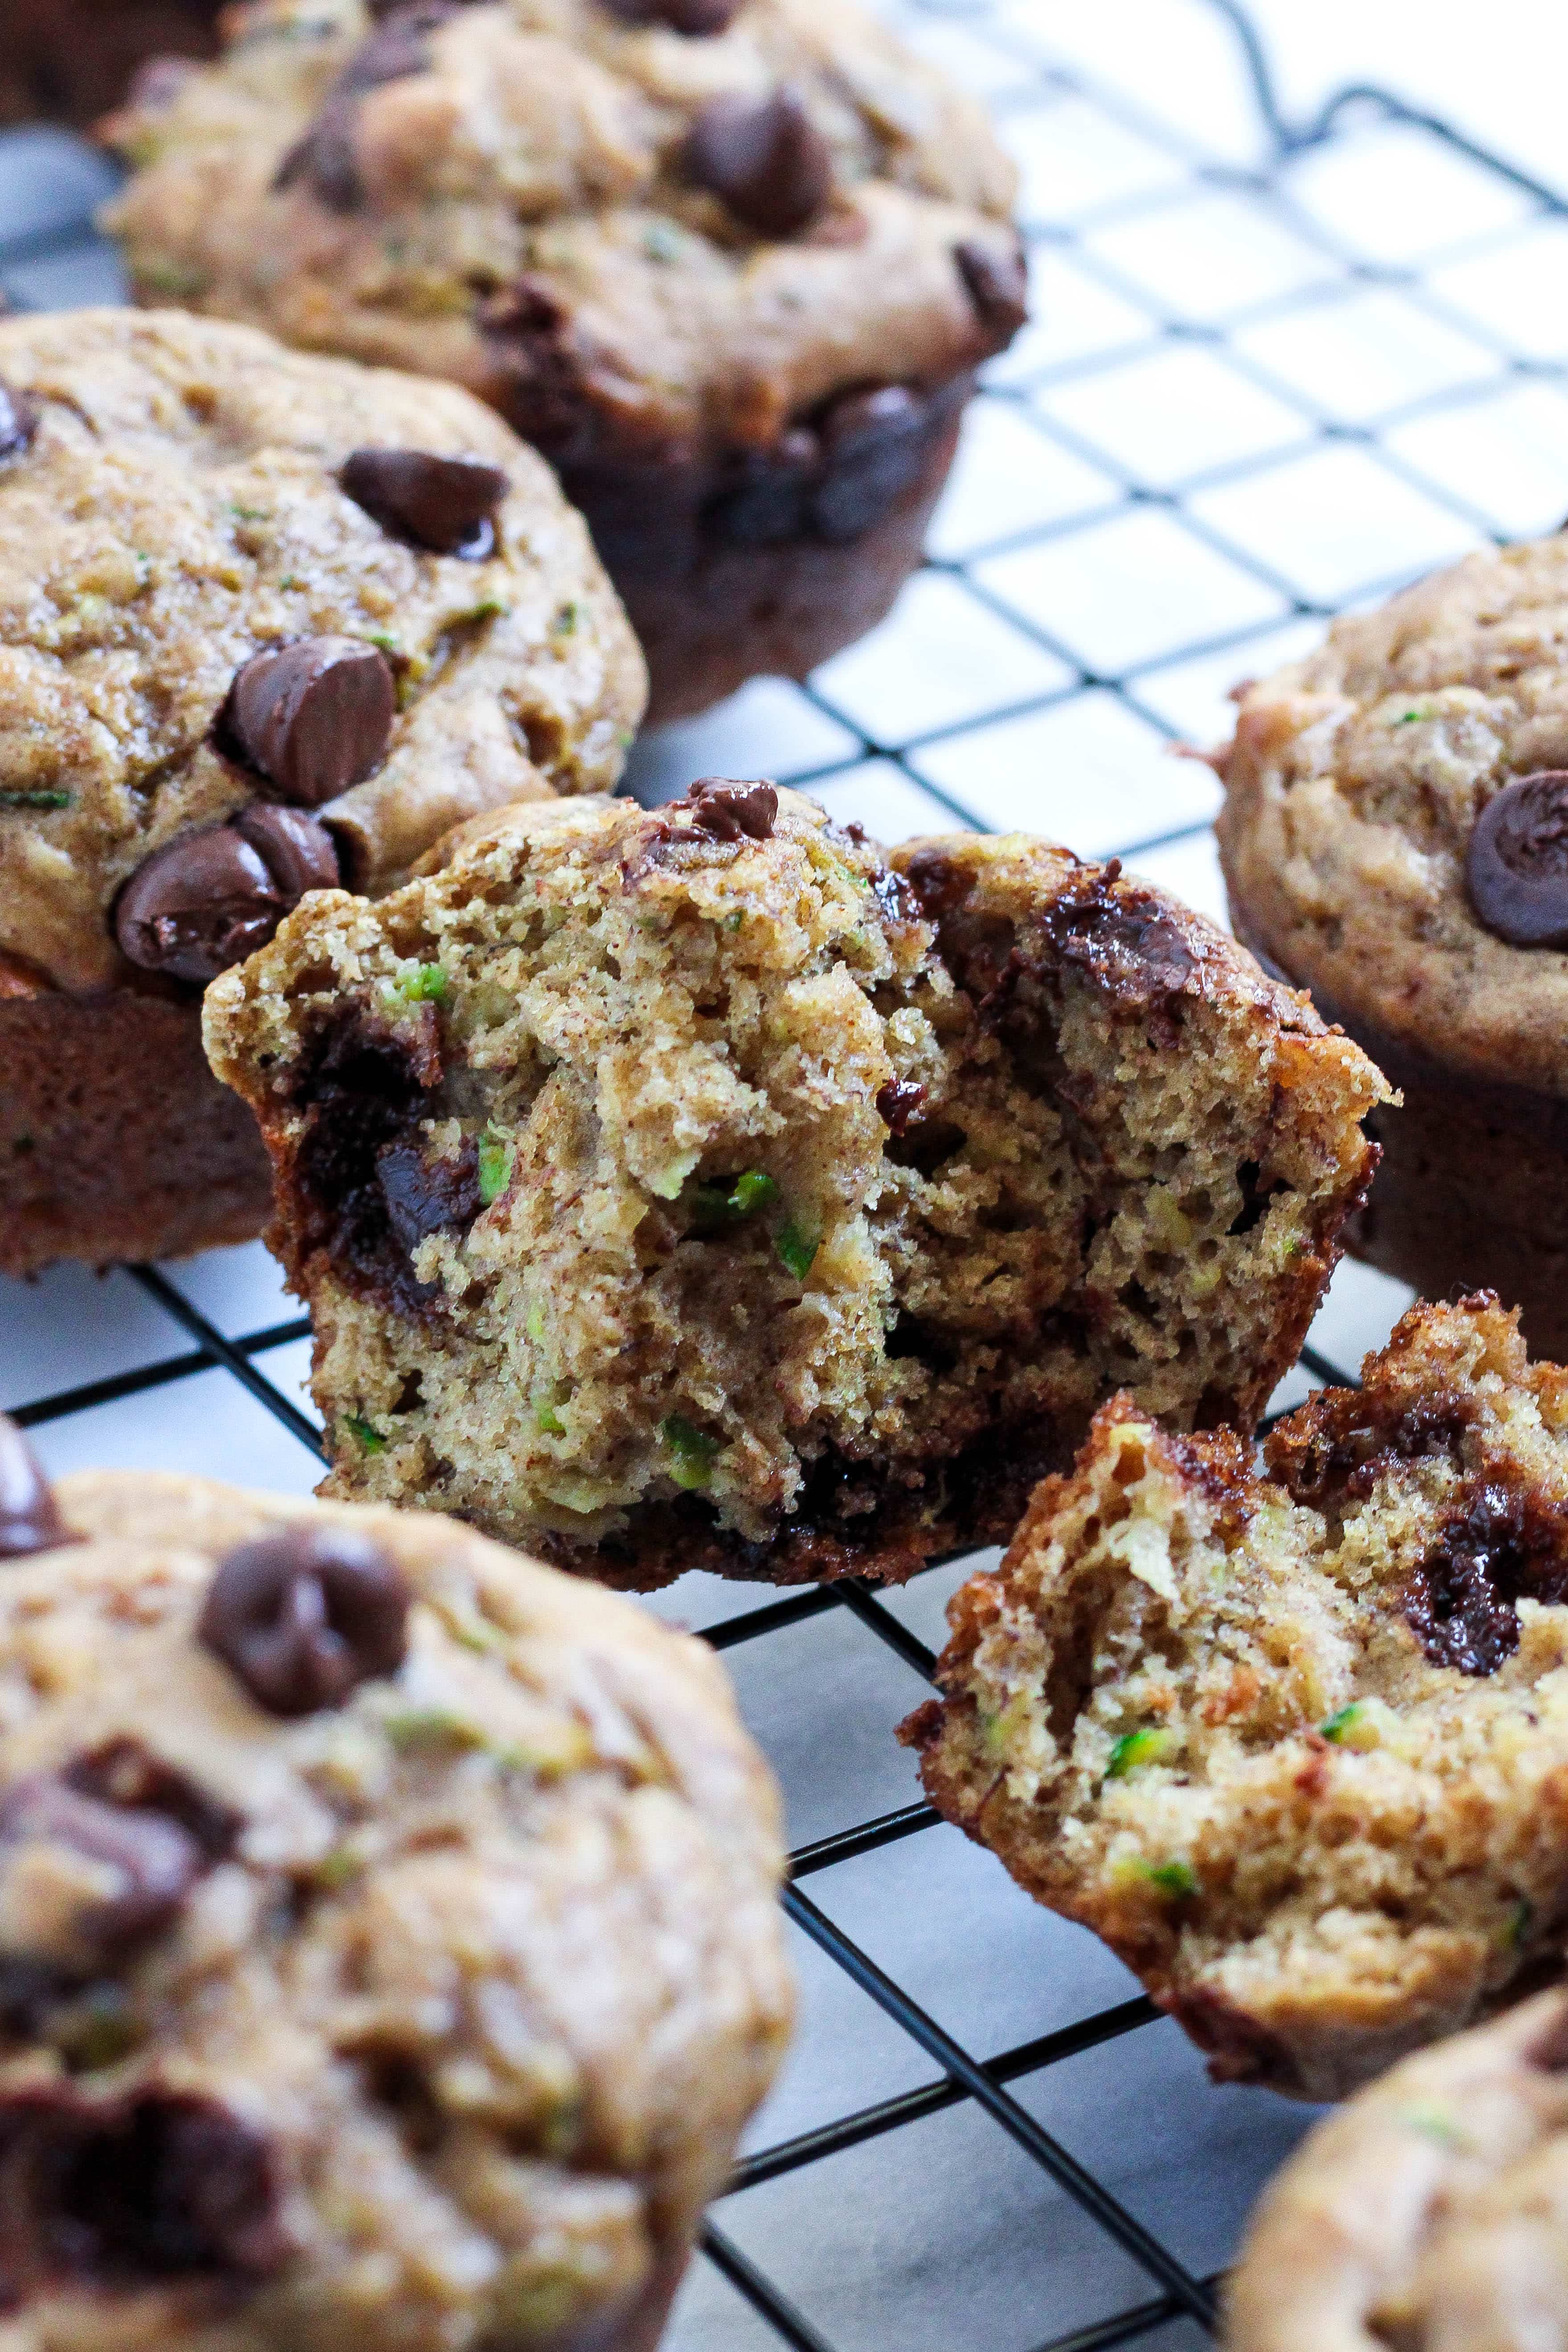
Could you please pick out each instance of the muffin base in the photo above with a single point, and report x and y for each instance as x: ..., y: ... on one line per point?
x: 714, y: 609
x: 116, y: 1141
x: 1472, y: 1191
x: 69, y: 60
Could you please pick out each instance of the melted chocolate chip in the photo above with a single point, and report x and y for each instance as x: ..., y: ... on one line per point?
x: 427, y: 1196
x: 209, y: 898
x: 898, y: 1103
x: 765, y: 158
x: 155, y: 1862
x: 313, y: 717
x: 18, y: 424
x: 1124, y: 940
x: 874, y: 446
x: 29, y: 1516
x: 1459, y: 1602
x: 695, y: 17
x: 724, y: 809
x: 304, y: 1616
x: 364, y: 1083
x: 998, y: 286
x: 1517, y: 863
x: 446, y: 504
x: 131, y: 2192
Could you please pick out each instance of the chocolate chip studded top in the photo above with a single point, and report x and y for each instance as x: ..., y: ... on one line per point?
x: 1393, y: 832
x: 281, y: 620
x: 653, y: 231
x: 316, y: 2026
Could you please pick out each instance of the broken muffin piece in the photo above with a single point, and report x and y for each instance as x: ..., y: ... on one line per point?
x: 694, y: 1189
x: 1297, y: 1745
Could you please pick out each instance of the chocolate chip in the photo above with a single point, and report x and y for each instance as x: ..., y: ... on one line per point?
x: 898, y: 1103
x: 18, y: 423
x: 446, y: 504
x: 29, y: 1516
x: 303, y: 1616
x: 874, y: 447
x: 696, y: 17
x: 724, y: 809
x: 209, y: 898
x: 324, y: 157
x: 1460, y: 1600
x: 1516, y: 864
x: 427, y: 1196
x: 998, y: 286
x: 765, y: 158
x: 296, y: 849
x: 313, y: 715
x: 132, y: 2191
x: 156, y: 1861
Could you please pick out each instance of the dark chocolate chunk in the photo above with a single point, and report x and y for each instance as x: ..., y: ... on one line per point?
x: 131, y: 2192
x: 29, y: 1516
x: 295, y: 847
x: 199, y: 904
x: 540, y: 389
x: 998, y: 286
x: 1516, y: 864
x: 123, y: 1772
x: 157, y: 1862
x: 313, y: 716
x: 324, y: 157
x: 364, y: 1083
x: 212, y: 897
x: 874, y: 448
x: 303, y: 1616
x: 427, y: 1196
x: 762, y: 157
x: 1122, y: 939
x: 724, y: 808
x: 898, y: 1103
x: 446, y: 504
x: 18, y: 423
x: 696, y: 17
x: 1490, y: 1553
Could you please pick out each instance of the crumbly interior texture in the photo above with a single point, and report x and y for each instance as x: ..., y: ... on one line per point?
x: 176, y: 511
x: 746, y: 1204
x: 1351, y: 789
x: 540, y: 143
x: 490, y: 1968
x: 1431, y: 2212
x: 1296, y: 1746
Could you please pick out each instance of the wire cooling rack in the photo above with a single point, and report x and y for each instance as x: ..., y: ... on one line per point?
x: 1275, y: 371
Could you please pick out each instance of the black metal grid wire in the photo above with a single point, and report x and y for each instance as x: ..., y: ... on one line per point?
x: 959, y: 2074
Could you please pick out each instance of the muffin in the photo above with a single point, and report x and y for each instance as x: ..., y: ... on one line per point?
x: 1295, y: 1745
x: 731, y: 264
x: 388, y: 1949
x: 1395, y: 838
x: 66, y: 60
x: 1432, y: 2211
x: 696, y: 1189
x: 268, y: 623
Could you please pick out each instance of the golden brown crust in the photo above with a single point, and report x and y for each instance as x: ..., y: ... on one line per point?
x: 1297, y: 1746
x: 485, y: 1962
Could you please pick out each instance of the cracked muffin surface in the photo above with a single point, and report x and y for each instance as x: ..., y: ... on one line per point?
x: 1430, y: 2210
x: 268, y: 622
x: 731, y: 266
x: 697, y: 1188
x: 388, y: 1943
x: 1295, y: 1745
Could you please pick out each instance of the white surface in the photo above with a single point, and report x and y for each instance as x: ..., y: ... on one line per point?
x: 1194, y: 338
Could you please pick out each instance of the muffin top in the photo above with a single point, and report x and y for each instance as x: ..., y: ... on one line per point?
x: 179, y: 497
x: 1379, y: 838
x: 388, y: 1950
x: 648, y: 229
x: 1428, y: 2211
